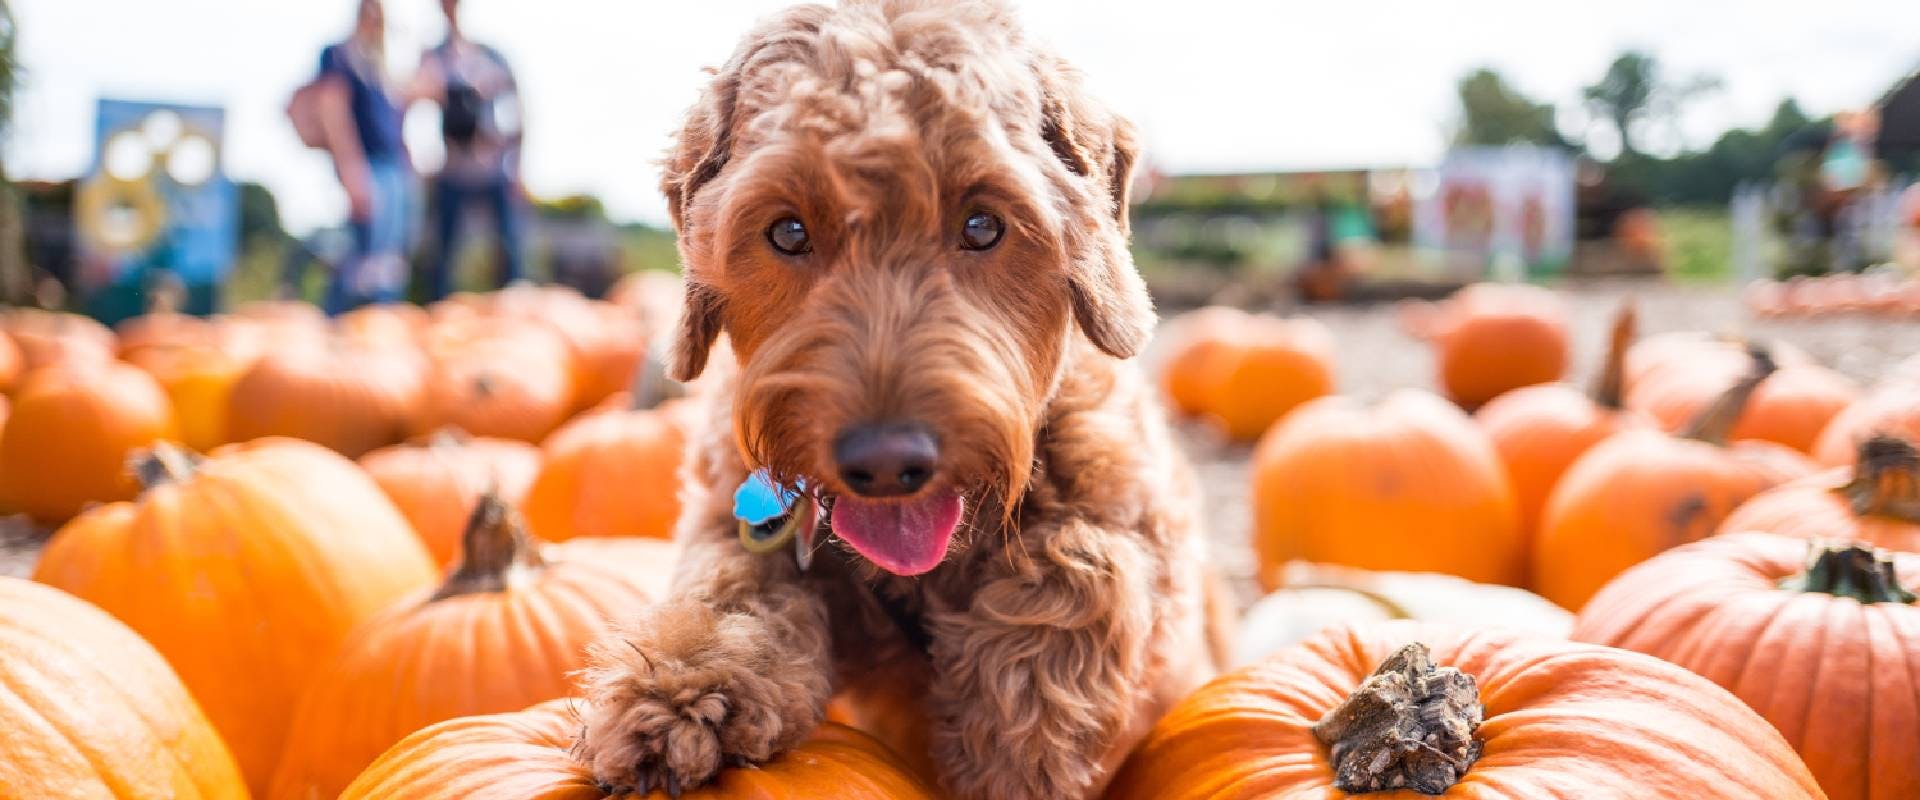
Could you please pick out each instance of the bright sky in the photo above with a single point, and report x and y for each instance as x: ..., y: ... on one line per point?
x: 1215, y: 84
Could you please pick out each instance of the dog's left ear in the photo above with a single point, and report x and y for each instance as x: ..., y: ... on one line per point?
x: 1110, y: 302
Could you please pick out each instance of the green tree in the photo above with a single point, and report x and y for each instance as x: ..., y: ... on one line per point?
x: 1633, y: 91
x: 1492, y: 112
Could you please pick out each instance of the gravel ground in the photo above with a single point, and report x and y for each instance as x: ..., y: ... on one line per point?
x: 1375, y: 357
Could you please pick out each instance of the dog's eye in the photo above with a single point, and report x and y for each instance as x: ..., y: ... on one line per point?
x: 789, y: 235
x: 981, y: 231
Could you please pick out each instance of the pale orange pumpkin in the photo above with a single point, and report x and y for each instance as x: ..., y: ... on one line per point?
x: 516, y: 383
x: 525, y: 755
x: 609, y: 354
x: 1409, y: 485
x: 385, y: 324
x: 1643, y: 491
x: 52, y: 338
x: 436, y: 483
x: 1491, y: 338
x: 246, y: 570
x: 350, y: 397
x: 160, y: 329
x: 611, y: 472
x: 1539, y: 431
x: 1790, y: 407
x: 1876, y: 501
x: 12, y: 364
x: 70, y: 433
x: 1892, y: 408
x: 93, y: 711
x: 505, y: 630
x: 1460, y: 714
x: 1818, y: 638
x: 198, y: 380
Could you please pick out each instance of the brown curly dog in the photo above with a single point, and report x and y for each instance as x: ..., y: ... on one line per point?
x: 910, y: 225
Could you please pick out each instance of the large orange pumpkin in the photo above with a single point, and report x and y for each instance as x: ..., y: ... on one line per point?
x: 198, y: 380
x: 93, y: 711
x: 52, y: 338
x: 609, y: 353
x: 246, y: 570
x: 436, y: 483
x: 1539, y: 431
x: 505, y: 630
x: 514, y: 384
x: 1643, y: 491
x: 524, y: 755
x: 1875, y: 501
x: 1409, y: 485
x: 1491, y: 338
x: 71, y: 431
x: 350, y: 397
x: 1892, y: 408
x: 1790, y: 407
x: 1823, y: 647
x: 1271, y: 367
x: 612, y: 472
x: 1472, y: 715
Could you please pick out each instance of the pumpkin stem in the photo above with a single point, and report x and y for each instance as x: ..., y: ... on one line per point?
x: 164, y: 462
x: 1886, y: 480
x: 1715, y: 422
x: 1610, y: 385
x: 1409, y: 726
x: 494, y: 547
x: 1850, y: 570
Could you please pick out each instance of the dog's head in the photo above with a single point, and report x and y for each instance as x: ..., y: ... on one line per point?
x: 901, y: 213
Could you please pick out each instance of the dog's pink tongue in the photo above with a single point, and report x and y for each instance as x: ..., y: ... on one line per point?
x: 903, y: 538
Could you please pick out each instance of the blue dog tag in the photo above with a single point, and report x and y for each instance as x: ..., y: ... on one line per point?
x: 758, y: 501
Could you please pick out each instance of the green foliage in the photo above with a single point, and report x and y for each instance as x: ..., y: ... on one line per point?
x: 259, y: 215
x: 644, y: 246
x: 1699, y: 244
x: 1494, y: 113
x: 9, y: 69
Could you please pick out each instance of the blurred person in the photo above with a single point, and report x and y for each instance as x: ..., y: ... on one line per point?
x: 480, y: 126
x: 359, y: 120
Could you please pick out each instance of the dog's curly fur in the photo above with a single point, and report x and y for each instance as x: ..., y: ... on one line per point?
x: 1072, y: 606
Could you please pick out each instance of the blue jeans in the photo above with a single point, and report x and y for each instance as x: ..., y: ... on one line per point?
x: 376, y: 270
x: 451, y: 196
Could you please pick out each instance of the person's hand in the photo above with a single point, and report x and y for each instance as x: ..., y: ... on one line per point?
x: 359, y: 188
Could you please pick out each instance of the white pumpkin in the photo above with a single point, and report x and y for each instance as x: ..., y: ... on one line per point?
x: 1315, y: 596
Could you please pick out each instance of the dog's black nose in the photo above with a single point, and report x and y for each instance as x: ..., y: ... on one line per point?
x: 886, y: 459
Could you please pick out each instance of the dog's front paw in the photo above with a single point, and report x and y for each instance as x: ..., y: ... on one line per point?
x: 687, y: 691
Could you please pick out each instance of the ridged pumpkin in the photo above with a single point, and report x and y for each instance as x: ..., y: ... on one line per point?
x: 514, y: 384
x: 54, y: 338
x: 435, y: 484
x: 1410, y: 485
x: 1876, y: 501
x: 1892, y: 408
x: 1272, y: 366
x: 1824, y: 646
x: 198, y: 380
x: 1539, y: 431
x: 1475, y: 715
x: 1642, y: 492
x: 505, y: 630
x: 246, y: 570
x: 72, y: 428
x: 92, y: 711
x: 350, y: 397
x: 1492, y: 338
x: 524, y: 755
x: 612, y: 472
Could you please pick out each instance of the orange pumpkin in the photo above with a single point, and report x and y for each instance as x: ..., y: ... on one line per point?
x: 1892, y: 408
x: 1203, y: 341
x: 69, y: 436
x: 350, y: 397
x: 198, y: 380
x: 1490, y: 338
x: 1643, y: 491
x: 505, y: 630
x: 160, y: 329
x: 655, y: 294
x: 1823, y: 647
x: 516, y: 384
x: 1538, y: 431
x: 1875, y: 501
x: 93, y: 711
x: 1409, y: 485
x: 1790, y: 407
x: 1471, y: 715
x: 434, y: 484
x: 52, y: 338
x: 1271, y: 367
x: 609, y: 473
x: 525, y: 755
x: 12, y: 364
x: 609, y: 355
x: 385, y: 324
x: 246, y: 570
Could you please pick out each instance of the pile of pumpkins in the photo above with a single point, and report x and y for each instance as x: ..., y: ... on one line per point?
x: 360, y: 558
x: 1882, y: 292
x: 1728, y: 506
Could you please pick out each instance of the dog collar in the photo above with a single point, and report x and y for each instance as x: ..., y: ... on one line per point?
x: 771, y: 515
